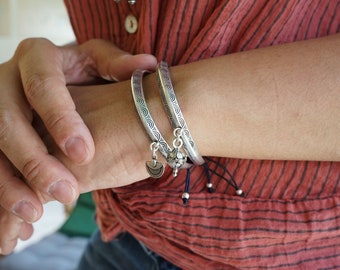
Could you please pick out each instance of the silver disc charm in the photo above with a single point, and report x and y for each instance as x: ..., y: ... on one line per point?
x: 154, y: 168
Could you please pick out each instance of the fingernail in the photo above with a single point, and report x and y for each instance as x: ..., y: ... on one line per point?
x: 62, y: 191
x: 25, y: 211
x: 76, y: 149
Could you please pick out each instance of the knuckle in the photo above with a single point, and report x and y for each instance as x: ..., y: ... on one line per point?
x: 31, y: 170
x: 36, y: 85
x: 29, y: 43
x: 25, y: 44
x: 56, y: 121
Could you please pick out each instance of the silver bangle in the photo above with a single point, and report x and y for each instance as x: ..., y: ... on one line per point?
x: 174, y: 112
x: 144, y: 113
x: 175, y: 158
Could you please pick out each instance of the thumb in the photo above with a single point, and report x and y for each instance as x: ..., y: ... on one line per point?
x: 114, y: 64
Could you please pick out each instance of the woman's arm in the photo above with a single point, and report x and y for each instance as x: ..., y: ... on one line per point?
x: 280, y: 102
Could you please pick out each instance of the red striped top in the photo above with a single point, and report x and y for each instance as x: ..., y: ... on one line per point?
x: 290, y: 217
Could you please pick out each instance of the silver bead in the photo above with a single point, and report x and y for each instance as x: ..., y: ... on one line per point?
x: 132, y: 2
x: 176, y: 159
x: 185, y: 195
x: 209, y: 185
x: 239, y: 192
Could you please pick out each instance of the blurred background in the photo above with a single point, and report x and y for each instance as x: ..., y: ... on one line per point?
x: 20, y: 19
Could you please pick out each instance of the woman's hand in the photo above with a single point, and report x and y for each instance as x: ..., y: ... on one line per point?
x: 34, y: 82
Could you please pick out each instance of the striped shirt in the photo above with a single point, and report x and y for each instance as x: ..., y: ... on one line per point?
x: 290, y: 216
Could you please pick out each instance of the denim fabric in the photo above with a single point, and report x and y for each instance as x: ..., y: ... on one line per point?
x: 122, y: 253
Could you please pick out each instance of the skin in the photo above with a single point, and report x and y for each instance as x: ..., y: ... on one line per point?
x: 273, y: 103
x: 35, y: 76
x: 287, y: 111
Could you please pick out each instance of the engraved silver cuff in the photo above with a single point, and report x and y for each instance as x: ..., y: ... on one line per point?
x: 175, y: 158
x: 144, y: 113
x: 174, y: 112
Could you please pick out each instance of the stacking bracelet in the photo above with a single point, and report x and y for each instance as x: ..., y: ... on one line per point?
x: 144, y: 113
x: 174, y: 112
x: 175, y: 158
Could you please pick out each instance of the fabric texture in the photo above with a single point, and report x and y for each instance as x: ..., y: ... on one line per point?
x: 290, y: 216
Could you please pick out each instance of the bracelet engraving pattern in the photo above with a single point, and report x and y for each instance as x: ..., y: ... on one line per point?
x: 144, y: 113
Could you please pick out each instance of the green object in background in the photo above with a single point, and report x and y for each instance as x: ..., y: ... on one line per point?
x: 81, y: 221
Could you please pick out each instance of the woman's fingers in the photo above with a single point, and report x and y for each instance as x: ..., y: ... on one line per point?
x: 12, y: 229
x: 42, y: 73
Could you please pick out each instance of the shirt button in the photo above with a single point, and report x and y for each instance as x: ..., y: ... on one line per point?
x: 131, y: 24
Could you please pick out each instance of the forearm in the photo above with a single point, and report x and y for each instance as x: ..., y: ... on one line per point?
x: 280, y: 102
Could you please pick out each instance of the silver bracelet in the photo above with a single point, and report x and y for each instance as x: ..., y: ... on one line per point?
x: 176, y: 159
x: 174, y: 112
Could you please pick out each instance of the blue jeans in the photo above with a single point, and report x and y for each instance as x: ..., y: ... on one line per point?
x: 122, y: 253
